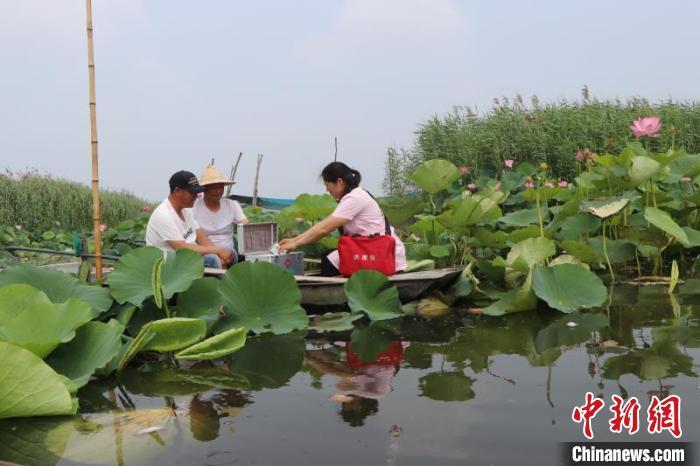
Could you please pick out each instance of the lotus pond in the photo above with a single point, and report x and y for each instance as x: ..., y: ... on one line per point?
x: 473, y: 389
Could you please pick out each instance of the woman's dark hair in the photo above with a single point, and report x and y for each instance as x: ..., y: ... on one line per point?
x: 335, y: 170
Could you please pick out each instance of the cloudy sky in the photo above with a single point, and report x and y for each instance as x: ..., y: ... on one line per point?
x: 180, y: 82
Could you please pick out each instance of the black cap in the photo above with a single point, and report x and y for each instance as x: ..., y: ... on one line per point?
x: 185, y: 180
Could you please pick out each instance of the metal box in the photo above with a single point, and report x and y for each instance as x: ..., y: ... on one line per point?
x: 255, y: 241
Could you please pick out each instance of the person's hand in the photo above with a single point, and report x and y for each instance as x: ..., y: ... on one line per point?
x: 287, y: 245
x: 226, y: 256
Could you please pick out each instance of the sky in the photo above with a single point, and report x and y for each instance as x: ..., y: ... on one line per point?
x: 181, y: 82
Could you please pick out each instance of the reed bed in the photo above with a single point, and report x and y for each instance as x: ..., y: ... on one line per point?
x: 41, y: 202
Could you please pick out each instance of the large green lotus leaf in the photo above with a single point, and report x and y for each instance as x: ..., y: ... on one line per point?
x: 35, y: 441
x: 215, y: 347
x: 145, y: 335
x: 311, y: 207
x: 427, y: 225
x: 524, y: 217
x: 269, y: 361
x: 533, y: 231
x: 570, y: 330
x: 519, y: 300
x: 160, y: 380
x: 14, y: 299
x: 147, y: 312
x: 642, y: 169
x: 618, y: 250
x: 41, y: 327
x: 663, y: 221
x: 180, y: 269
x: 371, y: 292
x: 58, y: 286
x: 533, y: 251
x: 401, y: 210
x: 447, y: 386
x: 693, y: 237
x: 491, y: 239
x: 605, y: 208
x: 433, y: 176
x: 568, y: 287
x: 131, y: 279
x: 581, y: 251
x: 202, y: 300
x: 94, y: 346
x: 471, y: 210
x: 29, y: 387
x: 369, y: 341
x: 261, y: 297
x: 334, y: 322
x: 175, y: 333
x: 577, y: 226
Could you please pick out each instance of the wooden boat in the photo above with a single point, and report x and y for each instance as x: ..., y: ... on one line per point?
x: 329, y: 291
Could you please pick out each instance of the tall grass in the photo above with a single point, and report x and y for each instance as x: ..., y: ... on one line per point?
x: 41, y: 202
x: 549, y: 133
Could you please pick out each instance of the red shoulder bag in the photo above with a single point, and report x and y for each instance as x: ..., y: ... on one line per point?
x: 373, y: 252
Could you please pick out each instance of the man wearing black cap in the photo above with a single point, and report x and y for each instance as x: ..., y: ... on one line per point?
x: 172, y: 224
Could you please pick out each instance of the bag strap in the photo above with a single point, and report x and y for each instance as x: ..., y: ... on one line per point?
x: 387, y: 226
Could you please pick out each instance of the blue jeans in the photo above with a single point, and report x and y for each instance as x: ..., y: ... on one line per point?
x: 212, y: 261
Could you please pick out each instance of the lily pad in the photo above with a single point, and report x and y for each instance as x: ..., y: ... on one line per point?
x: 435, y: 175
x: 58, y: 286
x: 29, y: 387
x: 568, y: 287
x: 261, y: 297
x: 371, y: 292
x: 95, y: 344
x: 663, y: 221
x: 202, y: 300
x: 524, y: 217
x: 215, y: 347
x: 334, y: 322
x: 180, y: 269
x: 577, y: 226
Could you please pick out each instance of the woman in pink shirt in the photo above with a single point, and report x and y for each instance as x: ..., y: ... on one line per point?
x: 357, y: 213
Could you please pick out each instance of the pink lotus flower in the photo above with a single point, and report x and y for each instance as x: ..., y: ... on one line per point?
x: 686, y: 179
x: 646, y: 126
x: 509, y: 163
x: 548, y: 185
x: 580, y: 156
x: 464, y: 170
x: 563, y: 184
x: 529, y: 184
x: 103, y: 227
x: 471, y: 187
x: 146, y: 208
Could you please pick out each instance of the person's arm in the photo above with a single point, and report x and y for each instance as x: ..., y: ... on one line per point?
x: 313, y: 234
x: 204, y: 246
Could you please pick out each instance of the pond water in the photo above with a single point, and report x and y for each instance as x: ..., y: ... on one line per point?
x: 471, y: 390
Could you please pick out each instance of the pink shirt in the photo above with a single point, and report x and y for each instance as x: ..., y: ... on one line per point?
x: 365, y: 218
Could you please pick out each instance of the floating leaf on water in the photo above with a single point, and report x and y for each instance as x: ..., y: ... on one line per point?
x: 371, y: 292
x: 568, y: 287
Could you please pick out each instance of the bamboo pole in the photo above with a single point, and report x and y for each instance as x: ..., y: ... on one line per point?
x: 93, y: 140
x: 255, y: 187
x: 234, y: 169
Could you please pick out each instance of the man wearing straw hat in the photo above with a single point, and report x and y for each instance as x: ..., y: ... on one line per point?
x: 215, y: 214
x: 172, y: 224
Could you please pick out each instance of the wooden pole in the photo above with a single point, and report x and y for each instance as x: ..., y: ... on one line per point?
x: 255, y: 187
x: 335, y: 159
x: 93, y: 140
x: 234, y: 169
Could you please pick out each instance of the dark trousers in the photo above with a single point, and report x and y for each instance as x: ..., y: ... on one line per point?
x: 327, y: 267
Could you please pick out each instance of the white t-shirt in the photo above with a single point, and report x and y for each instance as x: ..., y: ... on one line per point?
x: 165, y: 225
x: 365, y: 218
x: 218, y: 226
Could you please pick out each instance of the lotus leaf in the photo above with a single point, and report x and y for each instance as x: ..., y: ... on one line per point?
x: 269, y: 361
x: 215, y: 347
x: 618, y: 250
x: 369, y: 342
x: 438, y: 251
x: 521, y: 218
x: 58, y: 286
x: 145, y: 335
x: 577, y: 226
x: 311, y: 207
x: 570, y: 330
x: 35, y: 441
x: 533, y: 231
x: 663, y: 221
x: 371, y: 292
x: 148, y: 312
x: 568, y: 287
x: 161, y: 380
x: 261, y: 297
x: 29, y: 387
x: 605, y: 208
x: 642, y: 169
x: 491, y: 239
x: 401, y: 210
x: 471, y: 210
x: 568, y: 259
x: 533, y: 251
x: 435, y: 175
x: 131, y: 279
x: 581, y: 251
x: 334, y: 322
x: 660, y: 361
x: 180, y: 270
x: 693, y: 237
x: 202, y: 300
x: 518, y: 300
x: 447, y: 386
x: 94, y: 346
x: 425, y: 226
x: 432, y: 308
x: 41, y: 326
x: 175, y: 333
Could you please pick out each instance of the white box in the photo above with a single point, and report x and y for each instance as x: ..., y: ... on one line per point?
x: 255, y: 241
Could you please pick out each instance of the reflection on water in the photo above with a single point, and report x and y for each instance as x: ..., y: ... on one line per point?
x: 447, y: 392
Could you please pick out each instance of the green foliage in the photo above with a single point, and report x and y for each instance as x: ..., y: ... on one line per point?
x: 568, y: 287
x: 215, y: 347
x: 371, y: 292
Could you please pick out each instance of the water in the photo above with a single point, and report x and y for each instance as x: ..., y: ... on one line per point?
x: 471, y: 390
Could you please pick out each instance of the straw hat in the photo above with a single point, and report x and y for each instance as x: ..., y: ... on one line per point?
x: 211, y: 175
